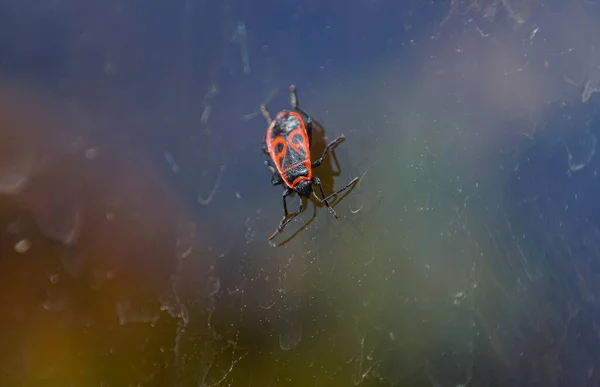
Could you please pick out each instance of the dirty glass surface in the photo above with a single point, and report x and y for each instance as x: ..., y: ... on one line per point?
x: 135, y: 206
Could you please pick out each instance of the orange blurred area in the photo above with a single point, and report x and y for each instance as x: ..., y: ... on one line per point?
x: 89, y: 237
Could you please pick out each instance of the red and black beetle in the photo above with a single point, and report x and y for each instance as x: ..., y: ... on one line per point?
x: 287, y: 144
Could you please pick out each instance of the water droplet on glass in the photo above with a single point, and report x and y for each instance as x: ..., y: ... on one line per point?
x: 291, y: 335
x: 214, y: 285
x: 92, y: 153
x: 15, y: 168
x: 171, y: 304
x: 54, y: 278
x: 54, y: 304
x: 590, y: 88
x: 136, y: 312
x: 71, y: 262
x: 23, y: 246
x: 60, y: 220
x: 580, y: 150
x: 185, y: 242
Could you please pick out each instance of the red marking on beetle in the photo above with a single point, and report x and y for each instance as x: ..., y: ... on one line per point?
x: 302, y: 147
x: 278, y: 155
x: 286, y: 141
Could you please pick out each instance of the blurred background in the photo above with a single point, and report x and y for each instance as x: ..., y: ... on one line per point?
x: 135, y: 206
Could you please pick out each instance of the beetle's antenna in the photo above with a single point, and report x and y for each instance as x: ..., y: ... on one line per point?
x: 266, y: 114
x: 294, y: 100
x: 294, y: 97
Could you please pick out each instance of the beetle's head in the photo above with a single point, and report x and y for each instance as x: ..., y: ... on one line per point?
x: 304, y: 188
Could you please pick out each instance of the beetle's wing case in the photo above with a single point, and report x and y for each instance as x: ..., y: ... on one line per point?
x: 287, y: 140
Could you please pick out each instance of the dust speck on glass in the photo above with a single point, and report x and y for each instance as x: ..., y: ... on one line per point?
x: 136, y: 209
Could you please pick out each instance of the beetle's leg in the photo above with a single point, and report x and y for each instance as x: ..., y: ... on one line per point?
x: 275, y: 177
x: 339, y: 191
x: 327, y: 149
x: 317, y: 182
x: 285, y: 220
x: 286, y: 193
x: 266, y: 114
x: 270, y: 165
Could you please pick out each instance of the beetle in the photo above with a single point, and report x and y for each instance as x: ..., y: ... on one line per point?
x: 287, y: 145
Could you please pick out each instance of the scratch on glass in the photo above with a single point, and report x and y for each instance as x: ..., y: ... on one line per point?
x: 372, y: 256
x: 243, y: 40
x: 511, y: 12
x: 206, y: 114
x: 590, y: 88
x: 359, y: 181
x: 172, y: 163
x: 206, y: 201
